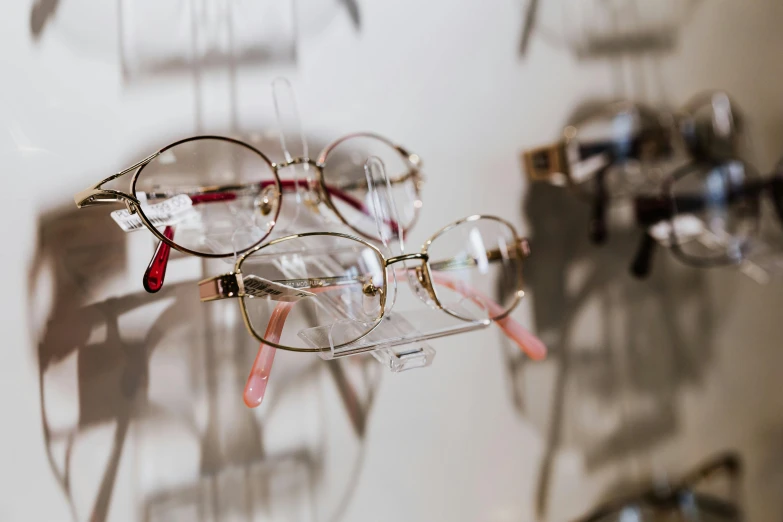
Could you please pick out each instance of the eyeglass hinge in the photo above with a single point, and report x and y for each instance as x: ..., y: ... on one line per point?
x: 546, y: 163
x: 524, y: 245
x: 221, y: 287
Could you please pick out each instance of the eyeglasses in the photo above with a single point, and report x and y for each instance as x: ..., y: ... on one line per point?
x: 709, y: 214
x: 711, y: 127
x: 618, y: 151
x: 223, y: 196
x: 680, y: 501
x: 603, y: 156
x: 315, y: 292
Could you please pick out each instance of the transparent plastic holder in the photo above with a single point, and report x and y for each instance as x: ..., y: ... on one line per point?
x: 399, y: 339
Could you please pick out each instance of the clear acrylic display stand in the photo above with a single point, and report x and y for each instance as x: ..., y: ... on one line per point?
x: 399, y: 340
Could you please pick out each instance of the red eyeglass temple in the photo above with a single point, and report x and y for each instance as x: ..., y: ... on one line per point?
x: 156, y: 271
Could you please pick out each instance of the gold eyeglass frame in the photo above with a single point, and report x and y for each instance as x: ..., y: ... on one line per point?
x: 97, y: 195
x: 231, y: 285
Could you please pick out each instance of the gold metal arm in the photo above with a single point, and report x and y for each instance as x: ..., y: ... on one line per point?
x: 362, y: 184
x: 163, y: 193
x: 95, y: 195
x: 465, y: 262
x: 232, y: 285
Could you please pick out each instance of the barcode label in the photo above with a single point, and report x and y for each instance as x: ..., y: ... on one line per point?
x: 169, y: 212
x: 259, y: 287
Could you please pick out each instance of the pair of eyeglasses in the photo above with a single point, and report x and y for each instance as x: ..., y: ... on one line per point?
x: 680, y: 501
x: 315, y: 292
x: 214, y: 196
x: 708, y: 214
x: 603, y: 156
x: 621, y: 150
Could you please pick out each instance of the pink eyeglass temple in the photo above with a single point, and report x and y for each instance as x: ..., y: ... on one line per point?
x: 156, y: 270
x: 258, y: 379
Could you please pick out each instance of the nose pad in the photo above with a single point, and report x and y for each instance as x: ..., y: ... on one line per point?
x: 371, y: 299
x: 312, y: 199
x: 418, y: 281
x: 267, y: 201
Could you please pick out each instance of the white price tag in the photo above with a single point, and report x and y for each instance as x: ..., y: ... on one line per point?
x: 259, y: 287
x: 169, y: 212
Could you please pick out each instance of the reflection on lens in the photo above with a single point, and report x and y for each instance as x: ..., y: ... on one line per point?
x: 716, y: 211
x: 330, y: 287
x: 231, y: 187
x: 346, y: 183
x: 472, y: 262
x: 625, y: 142
x: 712, y: 126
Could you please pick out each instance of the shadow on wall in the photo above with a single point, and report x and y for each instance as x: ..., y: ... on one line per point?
x: 623, y: 349
x: 40, y: 13
x: 597, y: 30
x: 141, y: 396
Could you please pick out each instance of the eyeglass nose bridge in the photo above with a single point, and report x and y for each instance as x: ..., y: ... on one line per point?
x: 297, y: 161
x: 406, y: 257
x: 418, y: 277
x: 312, y: 187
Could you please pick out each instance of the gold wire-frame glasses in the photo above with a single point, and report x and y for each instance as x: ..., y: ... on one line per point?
x: 426, y: 273
x: 269, y: 192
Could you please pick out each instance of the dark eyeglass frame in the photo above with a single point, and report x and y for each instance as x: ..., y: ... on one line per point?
x: 674, y: 497
x: 547, y: 162
x: 650, y: 210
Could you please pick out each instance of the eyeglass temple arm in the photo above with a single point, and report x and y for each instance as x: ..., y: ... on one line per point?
x: 650, y: 210
x: 412, y: 173
x: 156, y: 270
x: 543, y: 163
x: 228, y: 192
x: 495, y: 254
x: 729, y: 462
x: 230, y: 285
x: 527, y: 342
x: 95, y: 195
x: 257, y: 381
x: 598, y: 229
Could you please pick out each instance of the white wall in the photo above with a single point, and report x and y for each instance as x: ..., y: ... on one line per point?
x: 644, y: 379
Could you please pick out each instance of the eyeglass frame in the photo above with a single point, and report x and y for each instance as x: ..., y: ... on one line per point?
x: 729, y: 463
x: 650, y: 210
x: 97, y: 195
x: 546, y: 162
x: 231, y: 285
